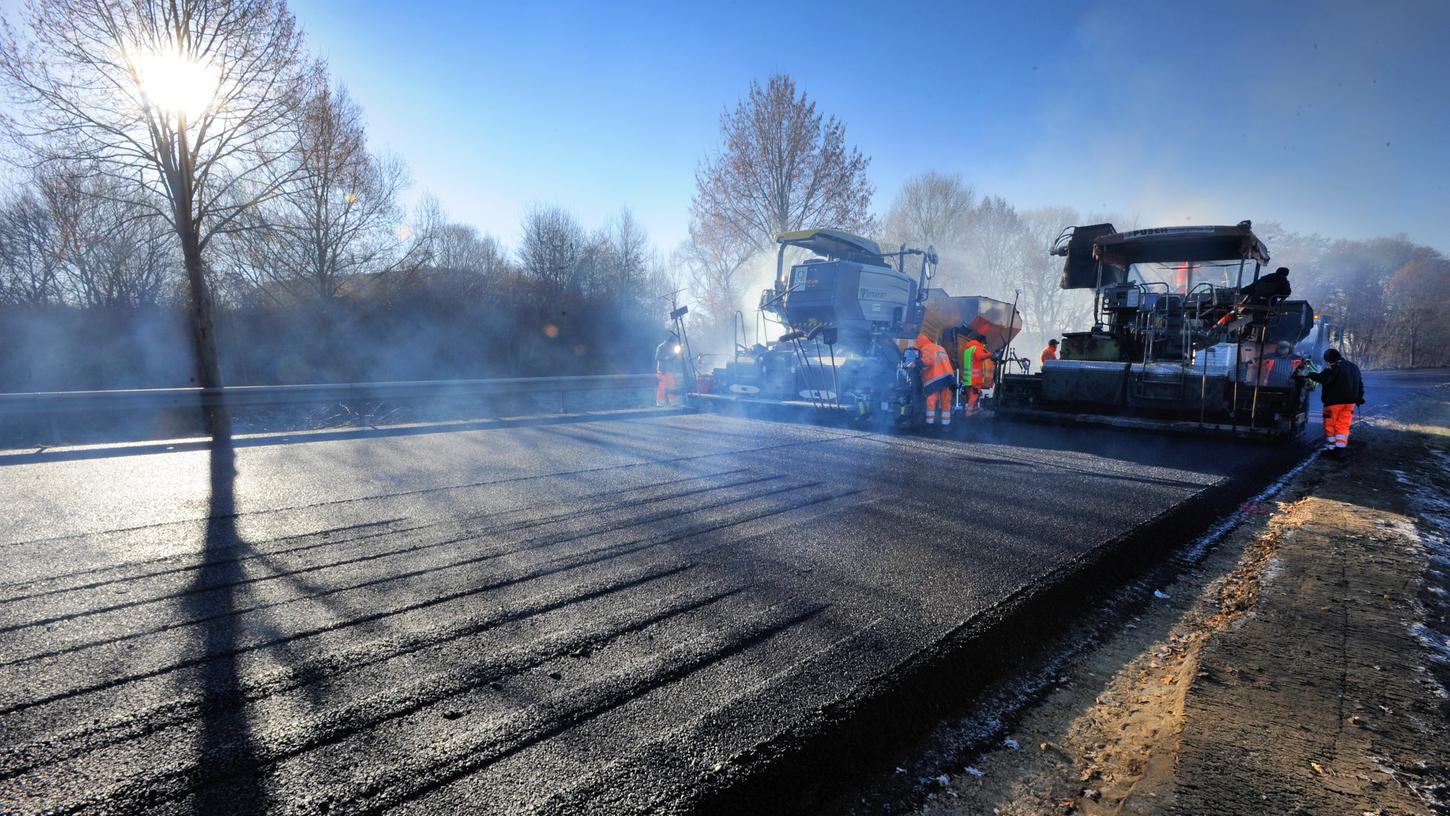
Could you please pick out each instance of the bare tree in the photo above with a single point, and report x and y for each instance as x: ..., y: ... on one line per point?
x: 337, y: 222
x: 552, y: 247
x: 993, y: 232
x: 1047, y: 309
x: 1418, y: 293
x: 187, y: 100
x: 462, y: 248
x: 783, y: 166
x: 113, y: 252
x: 931, y: 209
x: 626, y: 259
x: 29, y: 264
x: 714, y: 264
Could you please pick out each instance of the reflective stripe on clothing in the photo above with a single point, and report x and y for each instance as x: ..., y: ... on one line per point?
x: 974, y: 355
x: 1337, y: 419
x: 939, y: 403
x: 936, y: 365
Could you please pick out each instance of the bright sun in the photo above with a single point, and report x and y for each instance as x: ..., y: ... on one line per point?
x: 175, y: 83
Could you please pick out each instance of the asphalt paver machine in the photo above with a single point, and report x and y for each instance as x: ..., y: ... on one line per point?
x: 842, y: 319
x: 1190, y: 333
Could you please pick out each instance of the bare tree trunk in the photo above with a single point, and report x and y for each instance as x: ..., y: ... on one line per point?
x: 203, y: 332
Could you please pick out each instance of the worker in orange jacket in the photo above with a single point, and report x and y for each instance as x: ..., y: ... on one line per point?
x: 974, y: 370
x: 668, y: 359
x: 1050, y: 353
x: 938, y: 382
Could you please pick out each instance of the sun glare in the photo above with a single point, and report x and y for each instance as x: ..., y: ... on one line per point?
x: 176, y: 84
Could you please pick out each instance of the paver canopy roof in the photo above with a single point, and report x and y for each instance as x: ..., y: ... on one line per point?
x: 1192, y: 244
x: 833, y: 243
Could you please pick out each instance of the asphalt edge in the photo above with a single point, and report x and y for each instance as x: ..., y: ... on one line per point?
x: 804, y: 767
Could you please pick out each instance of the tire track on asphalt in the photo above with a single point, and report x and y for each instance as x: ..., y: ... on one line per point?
x: 323, y: 532
x: 593, y: 557
x: 178, y: 710
x: 528, y: 545
x: 436, y: 765
x: 285, y: 739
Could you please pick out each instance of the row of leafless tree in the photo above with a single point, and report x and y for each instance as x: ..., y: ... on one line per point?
x: 192, y: 154
x: 783, y: 165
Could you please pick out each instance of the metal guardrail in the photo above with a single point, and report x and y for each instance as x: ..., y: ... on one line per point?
x: 259, y: 395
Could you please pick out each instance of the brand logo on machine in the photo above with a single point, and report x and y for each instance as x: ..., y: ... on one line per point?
x: 744, y: 389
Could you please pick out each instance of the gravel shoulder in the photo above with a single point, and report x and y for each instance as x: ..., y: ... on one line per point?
x: 1300, y: 667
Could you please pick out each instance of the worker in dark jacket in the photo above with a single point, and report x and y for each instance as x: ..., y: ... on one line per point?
x: 1343, y: 389
x: 1253, y: 297
x: 1272, y: 286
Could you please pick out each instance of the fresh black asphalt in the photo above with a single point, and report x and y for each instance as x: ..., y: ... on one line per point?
x: 595, y: 616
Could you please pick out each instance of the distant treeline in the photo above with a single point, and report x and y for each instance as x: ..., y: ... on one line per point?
x: 567, y: 302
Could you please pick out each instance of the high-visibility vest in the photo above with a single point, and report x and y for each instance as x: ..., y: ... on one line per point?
x: 1048, y: 353
x: 974, y: 355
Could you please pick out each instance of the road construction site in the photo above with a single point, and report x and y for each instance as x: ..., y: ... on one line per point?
x: 632, y: 613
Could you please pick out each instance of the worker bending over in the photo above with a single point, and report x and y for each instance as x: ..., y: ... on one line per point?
x: 974, y: 371
x: 1050, y: 353
x: 1343, y: 389
x: 938, y: 382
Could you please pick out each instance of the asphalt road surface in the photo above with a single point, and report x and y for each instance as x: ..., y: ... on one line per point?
x: 603, y: 616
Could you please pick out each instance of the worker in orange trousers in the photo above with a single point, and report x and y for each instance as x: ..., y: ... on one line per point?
x: 938, y: 381
x: 1342, y: 388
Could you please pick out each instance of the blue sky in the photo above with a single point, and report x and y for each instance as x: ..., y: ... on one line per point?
x: 1330, y: 117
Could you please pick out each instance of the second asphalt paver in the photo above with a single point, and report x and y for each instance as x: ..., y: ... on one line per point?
x: 592, y: 616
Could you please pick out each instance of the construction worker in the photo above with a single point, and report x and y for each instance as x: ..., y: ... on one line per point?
x: 668, y: 356
x: 1276, y: 368
x: 1050, y: 353
x: 974, y: 370
x: 938, y: 381
x: 1343, y: 389
x: 1272, y: 287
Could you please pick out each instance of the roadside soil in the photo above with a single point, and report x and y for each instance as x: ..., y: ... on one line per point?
x: 1301, y: 667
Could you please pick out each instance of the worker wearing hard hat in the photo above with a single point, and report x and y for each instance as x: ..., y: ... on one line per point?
x: 1343, y: 390
x: 938, y: 381
x: 1050, y: 353
x: 974, y: 370
x: 668, y: 356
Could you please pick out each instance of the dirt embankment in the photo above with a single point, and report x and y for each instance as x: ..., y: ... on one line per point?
x: 1301, y: 668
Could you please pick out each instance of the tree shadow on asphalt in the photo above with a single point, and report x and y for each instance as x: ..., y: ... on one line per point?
x: 224, y: 734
